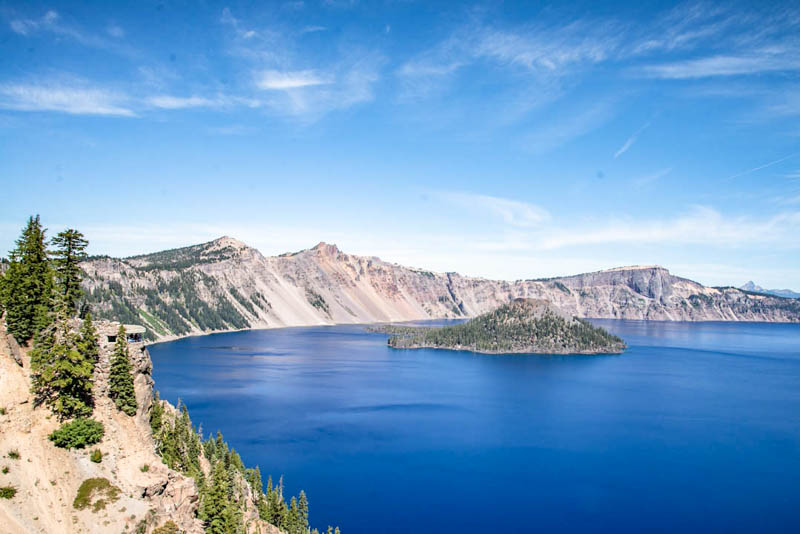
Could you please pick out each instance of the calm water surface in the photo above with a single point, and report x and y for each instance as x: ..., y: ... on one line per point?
x: 695, y: 428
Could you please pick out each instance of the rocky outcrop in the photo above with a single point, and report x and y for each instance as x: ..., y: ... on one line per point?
x: 226, y: 285
x: 47, y: 478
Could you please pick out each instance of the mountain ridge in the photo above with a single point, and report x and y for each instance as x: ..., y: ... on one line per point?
x: 225, y: 285
x: 786, y: 293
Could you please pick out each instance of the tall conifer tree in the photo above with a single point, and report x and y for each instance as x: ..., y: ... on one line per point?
x: 70, y: 247
x: 27, y: 289
x: 61, y: 376
x: 120, y: 378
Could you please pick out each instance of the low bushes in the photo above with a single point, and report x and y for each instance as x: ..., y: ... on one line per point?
x: 78, y: 434
x: 100, y: 488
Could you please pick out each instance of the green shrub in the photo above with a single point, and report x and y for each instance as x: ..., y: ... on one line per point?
x: 7, y: 492
x: 78, y: 434
x: 5, y: 469
x: 13, y: 454
x: 2, y: 411
x: 96, y: 456
x: 95, y: 487
x: 145, y: 468
x: 167, y: 528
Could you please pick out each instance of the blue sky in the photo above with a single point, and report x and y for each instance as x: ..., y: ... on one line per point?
x: 499, y: 139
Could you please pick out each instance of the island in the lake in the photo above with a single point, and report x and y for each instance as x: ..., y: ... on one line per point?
x: 523, y: 326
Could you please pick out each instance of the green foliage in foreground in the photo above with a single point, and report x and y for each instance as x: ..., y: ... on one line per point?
x: 78, y: 434
x: 223, y: 490
x: 519, y: 326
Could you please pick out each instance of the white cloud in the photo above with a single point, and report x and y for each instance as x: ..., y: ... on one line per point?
x: 544, y: 51
x: 631, y: 140
x: 115, y: 30
x: 763, y: 166
x: 177, y: 102
x: 568, y: 127
x: 65, y: 99
x: 28, y: 26
x: 768, y: 60
x: 700, y: 226
x: 650, y: 178
x: 308, y: 95
x: 512, y: 212
x: 282, y: 81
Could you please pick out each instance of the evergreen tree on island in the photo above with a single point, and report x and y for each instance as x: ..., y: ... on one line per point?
x: 70, y: 250
x: 120, y: 378
x: 27, y: 289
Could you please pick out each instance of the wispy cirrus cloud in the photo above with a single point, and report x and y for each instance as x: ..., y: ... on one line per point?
x: 631, y: 140
x: 71, y: 99
x: 512, y: 212
x: 648, y: 179
x: 764, y: 61
x: 281, y: 81
x: 568, y: 127
x: 48, y: 21
x: 272, y: 55
x: 178, y: 102
x: 702, y: 225
x: 52, y: 22
x: 542, y: 50
x: 762, y: 166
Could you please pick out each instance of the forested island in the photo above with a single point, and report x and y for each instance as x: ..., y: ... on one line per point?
x: 523, y: 326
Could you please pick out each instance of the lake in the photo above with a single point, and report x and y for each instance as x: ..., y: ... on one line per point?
x: 696, y: 427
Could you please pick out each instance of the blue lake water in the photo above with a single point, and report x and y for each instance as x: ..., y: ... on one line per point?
x: 696, y: 427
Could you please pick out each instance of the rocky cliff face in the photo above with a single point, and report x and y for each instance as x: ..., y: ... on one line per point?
x: 47, y: 478
x: 224, y: 285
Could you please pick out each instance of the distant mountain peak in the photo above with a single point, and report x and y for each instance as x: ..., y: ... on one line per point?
x: 755, y: 288
x: 228, y: 242
x: 326, y: 248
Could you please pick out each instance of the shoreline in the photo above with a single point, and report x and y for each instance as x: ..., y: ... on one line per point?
x: 167, y: 339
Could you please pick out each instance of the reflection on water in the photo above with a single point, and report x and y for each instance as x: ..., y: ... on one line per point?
x: 696, y: 426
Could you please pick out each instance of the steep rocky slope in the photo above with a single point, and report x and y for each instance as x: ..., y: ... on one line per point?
x: 523, y: 326
x: 224, y: 285
x: 47, y: 478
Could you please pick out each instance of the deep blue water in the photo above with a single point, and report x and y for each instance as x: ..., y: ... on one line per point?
x: 696, y: 427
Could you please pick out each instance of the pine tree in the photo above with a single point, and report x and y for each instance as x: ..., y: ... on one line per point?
x: 87, y: 342
x: 214, y: 508
x: 27, y: 289
x: 302, y: 511
x: 70, y: 250
x: 61, y: 375
x: 156, y: 417
x: 120, y: 378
